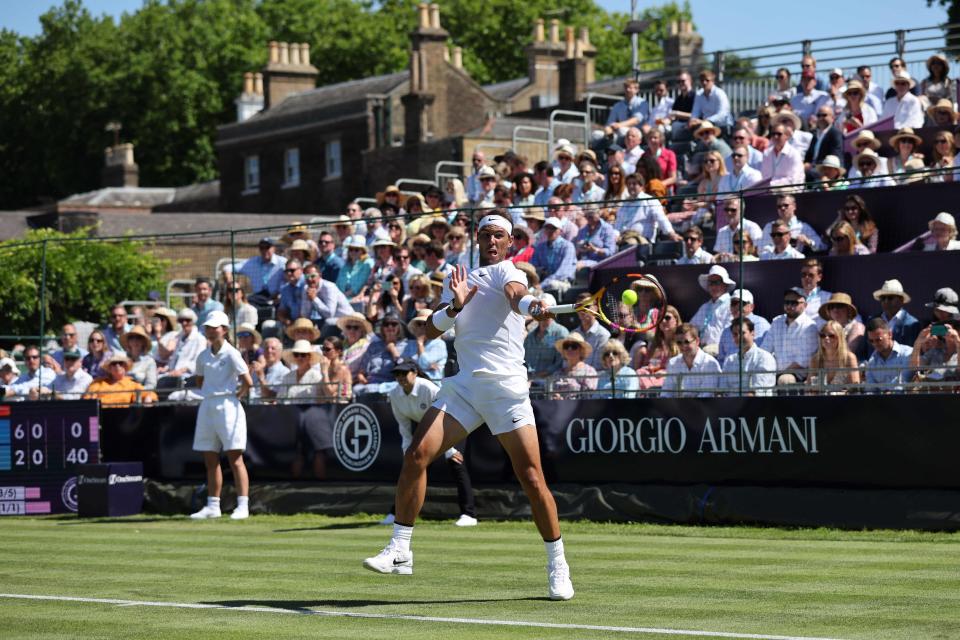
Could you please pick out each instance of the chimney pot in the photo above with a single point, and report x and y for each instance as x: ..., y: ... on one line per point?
x: 458, y: 57
x: 435, y: 16
x: 295, y: 54
x: 284, y: 53
x: 538, y: 30
x: 248, y: 82
x: 585, y: 36
x: 258, y: 84
x: 555, y: 31
x: 424, y: 10
x: 571, y: 50
x: 274, y: 51
x: 446, y: 54
x: 305, y: 54
x: 578, y: 49
x: 414, y: 71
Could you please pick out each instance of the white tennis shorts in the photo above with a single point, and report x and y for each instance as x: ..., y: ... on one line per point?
x: 221, y: 425
x: 502, y: 402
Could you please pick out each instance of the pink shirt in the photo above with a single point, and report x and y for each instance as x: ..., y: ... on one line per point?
x: 782, y: 168
x: 668, y: 165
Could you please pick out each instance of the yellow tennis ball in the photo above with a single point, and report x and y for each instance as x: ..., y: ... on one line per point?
x: 629, y: 297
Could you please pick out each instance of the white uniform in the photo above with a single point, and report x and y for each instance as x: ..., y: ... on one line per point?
x: 492, y: 385
x: 408, y: 409
x: 221, y: 421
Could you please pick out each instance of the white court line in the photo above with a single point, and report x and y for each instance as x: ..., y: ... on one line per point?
x: 400, y: 616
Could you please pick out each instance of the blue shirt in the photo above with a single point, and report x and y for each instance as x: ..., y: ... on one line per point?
x: 558, y: 260
x: 602, y: 238
x: 432, y: 360
x: 22, y: 385
x: 715, y: 107
x: 113, y: 338
x: 637, y: 108
x: 885, y: 375
x: 729, y: 346
x: 290, y: 295
x: 330, y: 266
x: 644, y: 215
x: 544, y: 193
x: 377, y: 363
x: 539, y: 352
x: 264, y: 275
x: 353, y: 276
x: 203, y: 311
x: 624, y: 384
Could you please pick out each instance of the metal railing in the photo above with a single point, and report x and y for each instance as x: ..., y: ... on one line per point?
x: 440, y: 176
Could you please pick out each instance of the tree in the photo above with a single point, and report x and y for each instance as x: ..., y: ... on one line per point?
x: 952, y: 37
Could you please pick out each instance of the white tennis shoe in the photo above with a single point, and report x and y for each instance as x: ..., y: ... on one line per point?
x: 240, y: 513
x: 205, y: 513
x: 391, y: 560
x: 466, y: 521
x: 558, y: 581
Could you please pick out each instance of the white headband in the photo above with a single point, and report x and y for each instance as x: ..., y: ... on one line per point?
x: 495, y: 221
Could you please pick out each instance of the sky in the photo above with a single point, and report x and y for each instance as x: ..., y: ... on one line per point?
x: 729, y: 24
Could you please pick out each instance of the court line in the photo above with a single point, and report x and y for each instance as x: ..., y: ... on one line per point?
x: 415, y: 618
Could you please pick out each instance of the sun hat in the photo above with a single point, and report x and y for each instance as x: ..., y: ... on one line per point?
x: 168, y: 313
x: 303, y: 323
x: 783, y: 117
x: 715, y: 270
x: 866, y: 138
x: 578, y: 340
x: 118, y: 357
x: 300, y: 346
x: 867, y: 154
x: 743, y: 295
x: 565, y: 149
x: 832, y: 162
x: 423, y: 316
x: 216, y: 319
x: 915, y: 171
x: 135, y: 331
x: 356, y: 242
x: 906, y: 133
x: 302, y: 245
x: 946, y: 300
x: 943, y: 218
x: 891, y: 288
x: 383, y: 242
x: 533, y: 213
x: 903, y: 75
x: 838, y: 299
x: 486, y: 171
x: 554, y: 222
x: 650, y: 282
x: 11, y: 363
x: 187, y: 314
x: 343, y: 321
x: 246, y: 327
x: 939, y: 58
x: 854, y: 85
x: 705, y: 126
x: 295, y: 227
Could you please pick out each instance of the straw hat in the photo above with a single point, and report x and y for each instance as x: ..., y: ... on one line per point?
x: 831, y: 162
x: 137, y: 331
x: 906, y: 133
x: 945, y: 300
x: 915, y: 171
x: 295, y: 227
x: 118, y: 357
x: 942, y: 60
x: 865, y: 138
x: 867, y: 154
x: 855, y: 85
x: 891, y: 288
x: 300, y: 346
x: 533, y: 213
x: 246, y: 327
x: 383, y: 242
x: 168, y: 313
x: 356, y: 242
x: 645, y: 283
x: 11, y: 363
x: 903, y: 75
x: 343, y: 321
x: 943, y: 104
x: 565, y: 149
x: 785, y: 117
x: 303, y: 245
x: 303, y: 323
x: 706, y: 126
x: 838, y: 299
x: 422, y: 317
x: 715, y: 270
x: 577, y: 339
x: 343, y: 221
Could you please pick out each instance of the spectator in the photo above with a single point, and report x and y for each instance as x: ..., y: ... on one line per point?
x: 534, y: 219
x: 355, y: 272
x: 617, y: 380
x: 904, y: 327
x: 867, y: 162
x: 904, y: 107
x: 763, y: 128
x: 808, y: 64
x: 831, y: 171
x: 72, y: 382
x: 711, y: 104
x: 303, y: 329
x: 419, y: 244
x: 434, y: 259
x: 376, y: 366
x: 741, y: 306
x: 203, y: 302
x: 187, y: 346
x: 723, y: 245
x: 714, y: 314
x: 743, y: 137
x: 809, y: 99
x: 383, y: 263
x: 143, y: 368
x: 117, y: 326
x: 541, y: 358
x: 874, y: 92
x: 304, y: 377
x: 942, y: 113
x: 97, y: 354
x: 396, y: 233
x: 666, y: 158
x: 68, y: 342
x: 237, y: 306
x: 785, y: 89
x: 554, y: 258
x: 650, y: 361
x: 8, y: 375
x: 855, y: 212
x: 632, y: 151
x: 936, y: 353
x: 115, y: 388
x: 264, y: 271
x: 249, y: 345
x: 865, y: 139
x: 474, y: 190
x: 741, y: 175
x: 632, y: 111
x: 796, y: 136
x: 835, y: 90
x: 811, y: 274
x: 521, y: 250
x: 662, y: 105
x: 904, y: 143
x: 780, y: 249
x: 713, y: 172
x: 833, y: 367
x: 643, y: 213
x: 456, y: 194
x: 36, y: 379
x: 707, y: 135
x: 943, y: 230
x: 420, y: 296
x: 456, y: 249
x: 576, y: 378
x: 693, y: 372
x: 889, y: 366
x: 782, y: 164
x: 748, y: 369
x: 899, y: 65
x: 943, y: 157
x: 291, y: 293
x: 845, y: 241
x: 586, y: 189
x: 355, y: 212
x: 840, y: 309
x: 327, y: 259
x: 827, y: 139
x: 683, y: 99
x: 543, y: 176
x: 269, y: 372
x: 647, y: 305
x: 561, y: 206
x: 300, y: 231
x: 337, y: 380
x: 592, y: 331
x: 322, y: 302
x: 565, y: 170
x: 792, y: 338
x: 694, y: 253
x: 523, y: 190
x: 858, y: 112
x: 937, y: 85
x: 430, y: 355
x: 356, y: 330
x: 303, y: 252
x: 744, y: 250
x: 802, y: 234
x: 597, y: 240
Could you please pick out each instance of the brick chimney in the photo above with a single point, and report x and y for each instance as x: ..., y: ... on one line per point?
x: 682, y: 48
x: 288, y: 71
x: 426, y: 104
x: 543, y: 57
x: 574, y: 70
x: 119, y: 169
x: 251, y: 100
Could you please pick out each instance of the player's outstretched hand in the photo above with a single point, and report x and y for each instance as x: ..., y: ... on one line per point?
x: 462, y: 292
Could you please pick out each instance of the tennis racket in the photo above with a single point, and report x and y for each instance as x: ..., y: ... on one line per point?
x: 610, y: 308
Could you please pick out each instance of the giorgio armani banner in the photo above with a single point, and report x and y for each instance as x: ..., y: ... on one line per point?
x: 870, y: 442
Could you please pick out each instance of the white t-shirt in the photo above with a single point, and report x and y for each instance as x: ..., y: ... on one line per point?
x: 489, y: 334
x: 220, y: 371
x: 409, y: 409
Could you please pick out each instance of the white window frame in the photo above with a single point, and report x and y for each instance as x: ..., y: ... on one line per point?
x: 291, y: 167
x: 251, y: 174
x: 333, y: 154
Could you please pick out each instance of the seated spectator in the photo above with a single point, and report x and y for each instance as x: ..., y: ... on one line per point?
x: 592, y: 331
x: 904, y: 144
x: 845, y: 241
x: 327, y: 260
x: 935, y: 352
x: 418, y: 244
x: 300, y: 231
x: 644, y: 310
x: 661, y: 104
x: 748, y: 370
x: 693, y: 372
x: 562, y: 207
x: 944, y: 157
x: 396, y: 233
x: 238, y: 307
x: 782, y: 164
x: 831, y: 173
x: 521, y: 249
x: 694, y: 253
x: 796, y: 136
x: 355, y: 272
x: 72, y: 381
x: 943, y: 231
x: 811, y: 274
x: 163, y: 333
x: 187, y: 346
x: 743, y: 250
x: 905, y: 108
x: 305, y: 375
x: 868, y: 163
x: 554, y: 258
x: 596, y: 240
x: 116, y: 389
x: 840, y: 309
x: 792, y: 338
x: 434, y: 260
x: 565, y: 170
x: 143, y: 368
x: 858, y: 112
x: 711, y: 104
x: 650, y: 360
x: 741, y: 306
x: 942, y: 113
x: 383, y: 262
x: 456, y: 248
x: 585, y: 188
x: 337, y: 380
x: 855, y: 213
x: 390, y: 197
x: 781, y: 248
x: 68, y: 342
x: 631, y: 111
x: 35, y: 380
x: 541, y: 358
x: 356, y: 331
x: 249, y: 344
x: 742, y: 136
x: 833, y: 367
x: 322, y: 302
x: 98, y: 353
x: 785, y: 89
x: 874, y: 92
x: 302, y: 251
x: 264, y: 271
x: 576, y: 378
x: 713, y: 172
x: 455, y: 194
x: 291, y: 293
x: 430, y: 355
x: 665, y: 157
x: 117, y: 326
x: 714, y: 314
x: 802, y: 234
x: 937, y: 85
x: 889, y: 366
x: 808, y: 100
x: 827, y: 140
x: 268, y: 372
x: 546, y: 183
x: 376, y: 366
x: 708, y: 139
x: 386, y: 298
x: 534, y: 219
x: 616, y: 380
x: 904, y: 327
x: 741, y: 176
x: 731, y: 206
x: 303, y: 329
x: 420, y: 296
x: 632, y: 151
x: 643, y: 213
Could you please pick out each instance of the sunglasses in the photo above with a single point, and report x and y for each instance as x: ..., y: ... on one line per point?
x: 778, y: 234
x: 95, y: 340
x: 942, y: 141
x: 691, y: 239
x: 69, y: 335
x: 823, y: 115
x: 866, y: 165
x: 777, y: 134
x: 301, y: 355
x: 739, y: 155
x: 889, y: 298
x: 609, y: 355
x: 118, y: 315
x: 34, y: 357
x: 839, y: 238
x: 326, y: 242
x: 683, y: 343
x: 791, y: 303
x: 244, y: 334
x: 326, y: 349
x: 290, y: 270
x: 827, y: 336
x: 391, y: 324
x: 571, y: 347
x: 731, y: 209
x: 783, y: 205
x: 352, y: 327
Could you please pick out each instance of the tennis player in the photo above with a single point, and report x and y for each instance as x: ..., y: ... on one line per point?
x: 487, y: 306
x: 221, y: 421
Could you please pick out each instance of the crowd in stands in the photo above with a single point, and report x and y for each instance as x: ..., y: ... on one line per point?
x: 325, y: 315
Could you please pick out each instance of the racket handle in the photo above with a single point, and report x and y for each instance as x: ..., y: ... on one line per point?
x: 562, y: 308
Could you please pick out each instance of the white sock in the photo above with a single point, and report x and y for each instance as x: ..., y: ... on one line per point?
x: 401, y: 536
x: 554, y: 550
x: 243, y: 501
x: 213, y: 503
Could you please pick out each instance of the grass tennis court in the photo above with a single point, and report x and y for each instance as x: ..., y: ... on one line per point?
x: 640, y: 578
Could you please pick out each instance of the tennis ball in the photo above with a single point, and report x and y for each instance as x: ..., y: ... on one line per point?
x: 629, y: 297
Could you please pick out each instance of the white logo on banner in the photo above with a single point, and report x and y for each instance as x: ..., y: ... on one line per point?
x: 68, y: 493
x: 356, y: 437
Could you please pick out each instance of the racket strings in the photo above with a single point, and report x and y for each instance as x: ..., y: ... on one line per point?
x: 615, y: 311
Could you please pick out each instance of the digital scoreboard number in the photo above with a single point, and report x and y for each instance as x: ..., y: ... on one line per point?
x: 41, y: 443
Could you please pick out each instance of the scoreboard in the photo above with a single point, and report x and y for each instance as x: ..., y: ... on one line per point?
x: 41, y: 443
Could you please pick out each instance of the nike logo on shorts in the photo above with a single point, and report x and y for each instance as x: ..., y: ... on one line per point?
x: 516, y: 420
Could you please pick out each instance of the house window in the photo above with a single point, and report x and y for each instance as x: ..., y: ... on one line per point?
x: 334, y: 161
x: 251, y: 174
x: 291, y: 167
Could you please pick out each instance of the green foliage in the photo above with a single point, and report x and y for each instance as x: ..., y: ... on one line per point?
x: 737, y: 68
x: 83, y: 278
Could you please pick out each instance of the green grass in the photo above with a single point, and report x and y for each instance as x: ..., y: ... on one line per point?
x: 742, y: 580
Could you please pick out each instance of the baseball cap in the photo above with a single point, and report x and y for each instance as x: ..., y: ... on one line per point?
x: 217, y: 319
x: 11, y: 363
x: 613, y: 148
x: 72, y: 354
x: 743, y: 295
x: 266, y: 240
x: 946, y: 300
x: 796, y: 290
x: 402, y: 365
x: 554, y: 222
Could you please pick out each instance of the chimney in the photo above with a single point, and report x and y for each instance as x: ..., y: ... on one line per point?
x: 555, y: 31
x: 589, y: 52
x: 119, y: 169
x: 425, y: 107
x: 288, y: 71
x: 458, y: 58
x: 682, y: 48
x: 250, y: 101
x: 543, y: 56
x: 573, y: 71
x: 538, y: 31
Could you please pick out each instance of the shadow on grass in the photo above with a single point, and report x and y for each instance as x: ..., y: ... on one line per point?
x: 333, y: 527
x: 306, y: 606
x: 73, y: 520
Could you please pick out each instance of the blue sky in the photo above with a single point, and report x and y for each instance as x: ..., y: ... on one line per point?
x: 731, y: 24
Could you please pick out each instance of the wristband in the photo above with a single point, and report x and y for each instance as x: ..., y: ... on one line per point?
x: 442, y: 321
x: 524, y: 304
